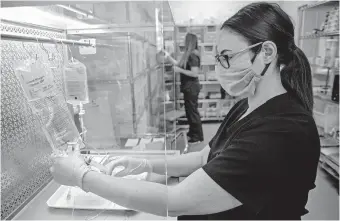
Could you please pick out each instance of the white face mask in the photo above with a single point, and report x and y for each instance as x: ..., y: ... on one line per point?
x: 238, y: 83
x: 239, y: 79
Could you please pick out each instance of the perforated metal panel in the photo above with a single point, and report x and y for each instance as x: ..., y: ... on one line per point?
x: 25, y: 151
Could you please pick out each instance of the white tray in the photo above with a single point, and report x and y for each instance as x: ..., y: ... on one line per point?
x: 80, y: 200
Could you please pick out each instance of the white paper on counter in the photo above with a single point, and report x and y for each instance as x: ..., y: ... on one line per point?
x: 131, y: 142
x: 145, y: 141
x: 158, y: 140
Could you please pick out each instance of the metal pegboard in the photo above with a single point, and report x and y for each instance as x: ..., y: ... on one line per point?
x: 25, y: 152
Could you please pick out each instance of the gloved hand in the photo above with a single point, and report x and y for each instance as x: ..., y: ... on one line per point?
x: 166, y: 54
x: 132, y: 166
x: 69, y: 170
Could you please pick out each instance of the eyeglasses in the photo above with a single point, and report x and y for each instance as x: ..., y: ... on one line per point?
x: 224, y: 59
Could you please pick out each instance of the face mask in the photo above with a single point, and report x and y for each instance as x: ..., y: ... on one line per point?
x: 240, y: 80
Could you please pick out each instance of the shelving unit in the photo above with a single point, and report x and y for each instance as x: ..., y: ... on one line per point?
x: 319, y: 35
x: 319, y: 39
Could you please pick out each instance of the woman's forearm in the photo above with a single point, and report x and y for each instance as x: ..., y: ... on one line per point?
x: 172, y: 60
x: 137, y: 195
x: 178, y: 166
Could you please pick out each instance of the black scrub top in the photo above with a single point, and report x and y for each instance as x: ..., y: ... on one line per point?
x: 187, y: 81
x: 267, y: 160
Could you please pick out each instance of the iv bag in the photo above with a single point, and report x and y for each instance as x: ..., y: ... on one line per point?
x: 48, y: 104
x: 75, y: 79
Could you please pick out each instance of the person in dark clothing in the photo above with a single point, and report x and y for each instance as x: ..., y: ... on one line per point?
x: 188, y: 67
x: 223, y: 93
x: 263, y: 160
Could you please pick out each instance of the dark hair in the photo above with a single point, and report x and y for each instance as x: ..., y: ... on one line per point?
x: 262, y: 21
x: 191, y: 44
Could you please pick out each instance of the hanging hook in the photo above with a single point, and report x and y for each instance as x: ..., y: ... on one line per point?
x: 48, y: 54
x: 36, y: 55
x: 29, y: 54
x: 62, y: 53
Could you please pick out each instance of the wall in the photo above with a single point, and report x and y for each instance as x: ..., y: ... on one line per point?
x: 291, y: 8
x: 25, y: 151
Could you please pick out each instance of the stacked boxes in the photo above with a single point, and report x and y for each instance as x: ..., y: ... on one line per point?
x: 210, y: 33
x: 181, y: 32
x: 331, y: 23
x: 210, y: 109
x: 209, y: 71
x: 208, y: 53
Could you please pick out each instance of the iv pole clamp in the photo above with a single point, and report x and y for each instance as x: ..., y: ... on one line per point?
x: 79, y: 112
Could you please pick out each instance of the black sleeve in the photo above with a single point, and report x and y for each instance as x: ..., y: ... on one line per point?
x: 254, y: 164
x: 194, y: 61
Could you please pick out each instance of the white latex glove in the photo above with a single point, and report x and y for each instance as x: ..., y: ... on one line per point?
x: 69, y: 171
x: 132, y: 166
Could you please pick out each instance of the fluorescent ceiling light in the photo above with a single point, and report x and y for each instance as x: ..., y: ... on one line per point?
x: 36, y: 16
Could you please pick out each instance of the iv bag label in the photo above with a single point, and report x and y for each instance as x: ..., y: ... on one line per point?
x: 36, y: 83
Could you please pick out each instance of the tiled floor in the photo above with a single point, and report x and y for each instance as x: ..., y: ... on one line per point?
x: 323, y: 203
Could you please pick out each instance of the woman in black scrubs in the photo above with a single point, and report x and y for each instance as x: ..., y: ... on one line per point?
x: 189, y: 67
x: 263, y: 160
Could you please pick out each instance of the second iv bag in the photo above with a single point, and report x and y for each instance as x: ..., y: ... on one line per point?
x: 75, y: 79
x: 48, y: 103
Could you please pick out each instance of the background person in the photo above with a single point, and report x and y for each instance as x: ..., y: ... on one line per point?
x: 189, y: 68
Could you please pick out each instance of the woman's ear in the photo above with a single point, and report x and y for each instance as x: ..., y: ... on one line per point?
x: 269, y: 51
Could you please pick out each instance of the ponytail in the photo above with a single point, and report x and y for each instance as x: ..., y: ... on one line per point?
x: 296, y: 78
x: 191, y: 44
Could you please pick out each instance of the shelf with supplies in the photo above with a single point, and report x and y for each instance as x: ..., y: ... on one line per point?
x: 323, y: 70
x: 317, y: 4
x: 319, y: 39
x: 319, y: 35
x: 325, y: 98
x: 329, y: 160
x: 204, y: 119
x: 201, y: 82
x: 203, y: 101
